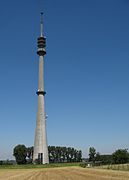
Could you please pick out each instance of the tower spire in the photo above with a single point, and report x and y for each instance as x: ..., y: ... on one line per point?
x: 40, y: 143
x: 41, y: 25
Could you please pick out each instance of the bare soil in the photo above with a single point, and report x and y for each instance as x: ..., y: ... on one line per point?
x: 66, y: 173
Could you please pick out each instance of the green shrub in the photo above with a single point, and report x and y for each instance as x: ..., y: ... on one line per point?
x: 83, y: 165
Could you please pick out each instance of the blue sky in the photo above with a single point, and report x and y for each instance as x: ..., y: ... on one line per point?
x: 86, y: 73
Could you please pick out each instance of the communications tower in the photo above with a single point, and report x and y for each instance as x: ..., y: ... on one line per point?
x: 40, y: 143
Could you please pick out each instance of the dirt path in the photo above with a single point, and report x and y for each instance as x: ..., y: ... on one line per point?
x: 69, y: 173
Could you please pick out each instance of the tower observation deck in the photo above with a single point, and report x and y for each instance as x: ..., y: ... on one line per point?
x: 40, y: 143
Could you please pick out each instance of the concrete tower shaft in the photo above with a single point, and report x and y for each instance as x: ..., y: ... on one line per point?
x: 40, y: 143
x: 41, y: 75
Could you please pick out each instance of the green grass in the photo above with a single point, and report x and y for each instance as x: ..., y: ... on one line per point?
x: 30, y: 166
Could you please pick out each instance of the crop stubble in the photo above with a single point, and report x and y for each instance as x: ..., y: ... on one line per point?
x: 67, y: 173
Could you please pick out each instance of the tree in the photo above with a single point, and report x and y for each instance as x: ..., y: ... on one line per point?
x: 52, y: 153
x: 120, y: 156
x: 98, y: 157
x: 30, y: 154
x: 92, y: 153
x: 20, y: 153
x: 79, y: 156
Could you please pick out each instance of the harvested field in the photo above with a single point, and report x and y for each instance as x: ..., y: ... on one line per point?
x: 67, y: 173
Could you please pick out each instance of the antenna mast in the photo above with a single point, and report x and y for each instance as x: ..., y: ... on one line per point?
x: 41, y: 25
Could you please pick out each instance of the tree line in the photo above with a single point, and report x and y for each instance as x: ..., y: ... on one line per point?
x: 57, y: 154
x: 64, y: 154
x: 120, y: 156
